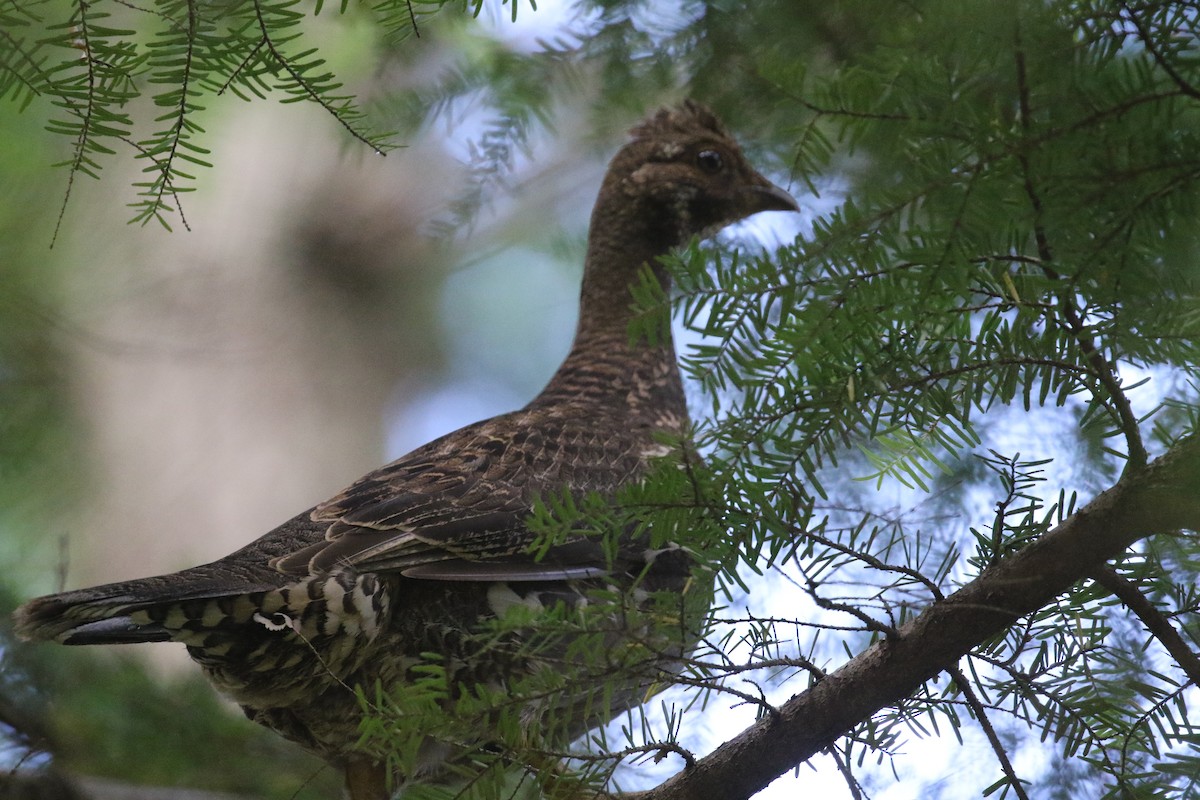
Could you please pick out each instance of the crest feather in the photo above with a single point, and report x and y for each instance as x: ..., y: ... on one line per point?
x: 689, y: 117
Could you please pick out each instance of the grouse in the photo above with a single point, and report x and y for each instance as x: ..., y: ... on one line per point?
x: 405, y: 579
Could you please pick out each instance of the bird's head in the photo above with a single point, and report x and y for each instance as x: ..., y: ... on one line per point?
x: 683, y: 175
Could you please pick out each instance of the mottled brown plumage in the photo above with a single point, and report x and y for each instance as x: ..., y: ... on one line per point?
x: 418, y: 555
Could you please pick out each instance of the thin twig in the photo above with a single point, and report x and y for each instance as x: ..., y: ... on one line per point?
x: 85, y: 116
x: 16, y: 46
x: 980, y: 712
x: 303, y: 83
x: 1102, y: 369
x: 851, y: 782
x: 1154, y: 620
x: 412, y: 18
x: 1152, y: 48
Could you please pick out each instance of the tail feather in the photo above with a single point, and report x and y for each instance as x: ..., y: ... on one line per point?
x: 102, y: 614
x: 56, y: 615
x: 117, y: 630
x: 142, y: 610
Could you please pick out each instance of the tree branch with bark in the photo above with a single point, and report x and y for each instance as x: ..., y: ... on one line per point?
x: 1159, y: 499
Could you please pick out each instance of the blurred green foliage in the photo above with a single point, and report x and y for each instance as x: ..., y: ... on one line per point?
x: 105, y: 714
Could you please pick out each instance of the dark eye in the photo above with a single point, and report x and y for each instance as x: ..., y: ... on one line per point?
x: 709, y: 161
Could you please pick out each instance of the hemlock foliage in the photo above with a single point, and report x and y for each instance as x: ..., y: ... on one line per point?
x: 995, y: 320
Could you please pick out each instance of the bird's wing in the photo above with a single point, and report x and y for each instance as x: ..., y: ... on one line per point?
x: 457, y: 508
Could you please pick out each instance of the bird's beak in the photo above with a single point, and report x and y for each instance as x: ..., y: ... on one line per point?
x: 766, y: 196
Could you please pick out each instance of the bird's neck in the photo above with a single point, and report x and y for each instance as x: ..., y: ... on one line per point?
x: 607, y: 366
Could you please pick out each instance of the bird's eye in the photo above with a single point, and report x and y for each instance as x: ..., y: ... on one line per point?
x: 710, y: 161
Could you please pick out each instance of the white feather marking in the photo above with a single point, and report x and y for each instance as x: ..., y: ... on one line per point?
x: 334, y: 594
x: 650, y: 553
x: 501, y: 598
x: 361, y: 601
x: 277, y: 622
x: 657, y: 450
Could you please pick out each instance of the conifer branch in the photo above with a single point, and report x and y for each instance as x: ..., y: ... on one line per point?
x: 242, y: 65
x: 1048, y: 704
x: 876, y: 563
x: 84, y: 116
x: 852, y: 784
x: 304, y: 84
x: 1158, y: 499
x: 1156, y: 53
x: 1102, y: 369
x: 1153, y: 619
x: 167, y: 184
x: 981, y: 716
x: 164, y: 183
x: 32, y: 67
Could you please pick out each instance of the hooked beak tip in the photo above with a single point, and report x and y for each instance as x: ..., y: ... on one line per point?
x: 769, y: 197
